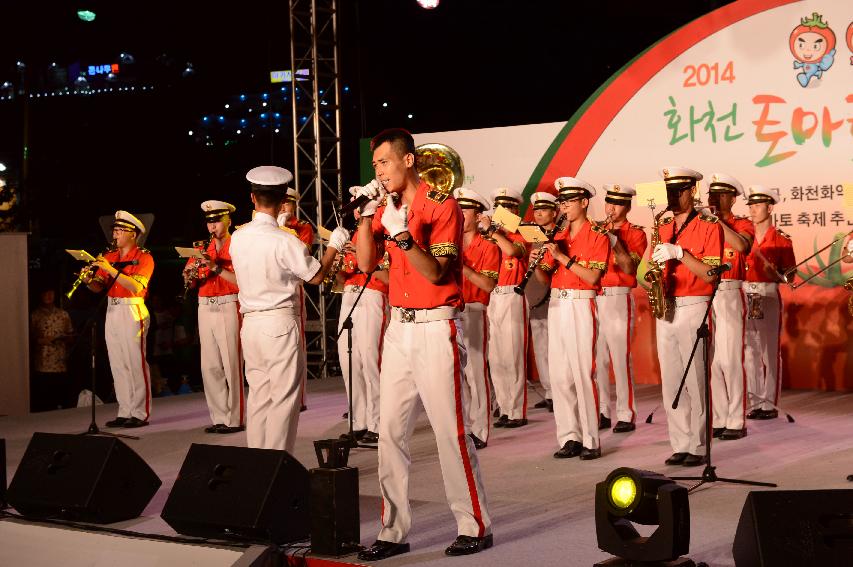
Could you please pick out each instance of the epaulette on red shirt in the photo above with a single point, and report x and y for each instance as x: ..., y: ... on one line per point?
x: 667, y: 220
x: 709, y: 218
x: 783, y: 234
x: 437, y: 196
x: 598, y: 229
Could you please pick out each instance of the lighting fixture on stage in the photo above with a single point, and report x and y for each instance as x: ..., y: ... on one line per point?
x: 188, y: 71
x: 126, y: 59
x: 81, y: 82
x: 86, y: 15
x: 428, y: 4
x: 631, y: 496
x: 2, y: 167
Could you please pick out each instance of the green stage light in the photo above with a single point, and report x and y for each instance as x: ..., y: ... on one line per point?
x: 623, y: 491
x: 86, y: 15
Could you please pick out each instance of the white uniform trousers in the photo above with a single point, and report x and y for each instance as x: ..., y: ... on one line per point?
x: 572, y: 330
x: 763, y: 347
x: 222, y: 360
x: 426, y: 360
x: 271, y: 342
x: 534, y: 292
x: 686, y: 424
x: 303, y: 350
x: 475, y: 330
x: 369, y: 321
x: 125, y: 332
x: 616, y: 316
x: 507, y: 314
x: 728, y: 371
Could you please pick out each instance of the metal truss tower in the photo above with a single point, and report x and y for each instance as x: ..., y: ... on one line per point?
x: 316, y: 120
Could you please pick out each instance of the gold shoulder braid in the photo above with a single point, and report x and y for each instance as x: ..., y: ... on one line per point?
x: 708, y: 218
x: 667, y: 220
x: 491, y: 274
x: 437, y: 196
x: 288, y: 229
x: 599, y: 229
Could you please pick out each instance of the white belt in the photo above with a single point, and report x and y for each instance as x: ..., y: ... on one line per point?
x: 763, y: 288
x: 127, y: 300
x: 217, y: 299
x: 273, y: 311
x: 407, y: 315
x: 503, y: 289
x: 572, y: 293
x: 615, y: 290
x: 688, y: 300
x: 730, y: 284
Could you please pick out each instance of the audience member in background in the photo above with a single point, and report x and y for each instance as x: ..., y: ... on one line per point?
x: 51, y: 331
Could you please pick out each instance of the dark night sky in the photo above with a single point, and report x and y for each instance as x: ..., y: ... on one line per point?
x: 466, y: 64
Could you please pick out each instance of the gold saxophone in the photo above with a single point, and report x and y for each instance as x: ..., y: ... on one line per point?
x: 654, y: 275
x: 331, y: 279
x: 89, y: 270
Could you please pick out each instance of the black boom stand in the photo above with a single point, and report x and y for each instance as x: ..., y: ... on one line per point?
x: 92, y: 323
x: 347, y: 326
x: 703, y: 334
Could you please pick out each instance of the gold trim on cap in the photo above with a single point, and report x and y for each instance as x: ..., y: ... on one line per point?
x: 470, y: 203
x: 619, y: 196
x: 720, y: 187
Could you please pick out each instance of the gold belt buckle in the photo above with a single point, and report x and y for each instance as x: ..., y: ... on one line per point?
x: 564, y: 293
x: 114, y: 300
x: 407, y: 315
x: 212, y: 300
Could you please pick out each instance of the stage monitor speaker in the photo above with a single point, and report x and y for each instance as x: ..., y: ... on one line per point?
x: 795, y: 528
x: 226, y: 491
x: 81, y: 477
x: 335, y: 525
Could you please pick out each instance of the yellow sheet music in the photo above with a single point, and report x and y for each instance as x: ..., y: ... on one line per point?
x: 508, y: 221
x: 532, y: 233
x: 652, y: 192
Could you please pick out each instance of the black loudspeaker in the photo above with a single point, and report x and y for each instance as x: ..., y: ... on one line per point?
x: 795, y: 528
x: 81, y: 477
x: 239, y: 492
x: 335, y: 524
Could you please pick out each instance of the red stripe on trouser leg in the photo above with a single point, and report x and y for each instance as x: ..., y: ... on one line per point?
x: 460, y: 432
x: 144, y: 369
x: 628, y: 366
x: 743, y: 355
x: 778, y: 352
x: 524, y: 358
x: 592, y: 373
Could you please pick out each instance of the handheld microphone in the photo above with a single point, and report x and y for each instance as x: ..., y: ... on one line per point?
x: 356, y: 203
x: 720, y: 269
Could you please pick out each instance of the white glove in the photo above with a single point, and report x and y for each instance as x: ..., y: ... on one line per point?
x: 612, y: 238
x: 664, y: 252
x: 339, y: 238
x: 395, y: 219
x: 707, y: 212
x: 484, y: 223
x: 375, y: 191
x: 283, y: 217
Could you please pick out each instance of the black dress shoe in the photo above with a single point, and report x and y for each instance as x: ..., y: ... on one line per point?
x: 570, y: 449
x: 302, y: 408
x: 346, y: 415
x: 117, y: 422
x: 541, y: 405
x: 754, y: 414
x: 550, y: 406
x: 370, y: 438
x: 693, y: 460
x: 676, y: 459
x: 590, y: 454
x: 511, y: 423
x: 134, y: 422
x: 768, y: 414
x: 504, y: 419
x: 382, y: 550
x: 497, y: 412
x: 623, y: 427
x: 718, y: 432
x: 730, y: 434
x: 467, y: 545
x: 214, y: 428
x: 231, y: 429
x: 478, y: 443
x: 603, y: 422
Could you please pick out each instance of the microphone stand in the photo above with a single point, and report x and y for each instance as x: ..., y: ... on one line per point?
x: 347, y: 326
x: 703, y: 334
x: 92, y: 323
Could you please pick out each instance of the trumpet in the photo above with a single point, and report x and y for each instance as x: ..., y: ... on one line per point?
x: 196, y: 265
x: 519, y: 289
x: 606, y: 224
x: 788, y: 275
x: 89, y: 270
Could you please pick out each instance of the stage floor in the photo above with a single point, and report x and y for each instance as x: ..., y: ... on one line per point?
x: 541, y: 508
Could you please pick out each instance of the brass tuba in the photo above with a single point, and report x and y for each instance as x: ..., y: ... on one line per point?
x: 654, y: 275
x: 440, y: 166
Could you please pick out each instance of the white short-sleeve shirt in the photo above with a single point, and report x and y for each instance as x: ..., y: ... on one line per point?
x: 269, y: 264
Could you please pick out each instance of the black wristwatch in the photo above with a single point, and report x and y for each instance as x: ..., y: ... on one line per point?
x: 570, y: 262
x: 217, y: 270
x: 405, y: 244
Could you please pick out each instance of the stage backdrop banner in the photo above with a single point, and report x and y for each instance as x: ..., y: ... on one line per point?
x: 14, y: 325
x: 761, y: 90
